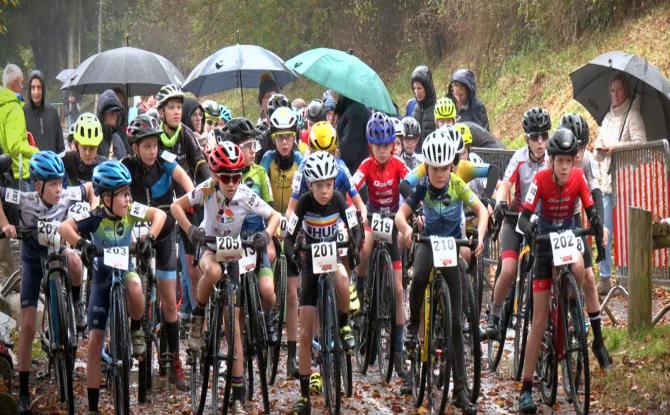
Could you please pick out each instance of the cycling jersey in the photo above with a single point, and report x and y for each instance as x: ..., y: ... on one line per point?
x: 382, y: 182
x: 255, y: 178
x: 224, y: 217
x: 443, y: 209
x: 466, y: 170
x: 107, y: 231
x: 520, y: 171
x: 343, y: 181
x: 558, y: 202
x: 78, y: 172
x: 280, y: 172
x: 188, y: 155
x: 411, y: 161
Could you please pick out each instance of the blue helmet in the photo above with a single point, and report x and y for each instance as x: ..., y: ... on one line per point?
x: 109, y: 176
x: 226, y: 115
x: 380, y: 129
x: 46, y: 165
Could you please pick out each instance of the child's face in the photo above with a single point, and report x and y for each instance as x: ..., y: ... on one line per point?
x: 409, y: 143
x: 111, y: 119
x: 119, y: 202
x: 87, y: 154
x: 382, y: 152
x: 284, y: 141
x: 50, y: 190
x: 562, y: 166
x: 228, y: 183
x: 249, y: 150
x: 171, y: 113
x: 397, y: 149
x: 579, y: 157
x: 439, y: 176
x: 322, y: 190
x: 448, y: 121
x: 147, y: 150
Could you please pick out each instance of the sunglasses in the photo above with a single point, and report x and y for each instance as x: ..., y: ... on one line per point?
x: 536, y: 136
x: 284, y: 136
x: 252, y: 145
x: 229, y: 178
x: 198, y: 114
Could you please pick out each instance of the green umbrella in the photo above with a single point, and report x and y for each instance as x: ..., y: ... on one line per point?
x: 345, y: 74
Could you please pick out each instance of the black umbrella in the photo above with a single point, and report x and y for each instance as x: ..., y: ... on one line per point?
x: 590, y: 86
x: 136, y: 71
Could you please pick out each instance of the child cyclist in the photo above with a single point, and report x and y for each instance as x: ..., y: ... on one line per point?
x: 152, y: 185
x: 241, y: 133
x: 382, y: 173
x: 556, y: 190
x: 80, y: 162
x: 49, y: 202
x: 409, y: 142
x: 317, y: 215
x: 399, y: 136
x: 226, y: 205
x: 443, y: 194
x: 444, y: 112
x: 110, y: 225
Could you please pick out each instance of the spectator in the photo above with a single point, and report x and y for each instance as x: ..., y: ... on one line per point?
x: 110, y: 114
x: 42, y: 120
x: 463, y: 90
x: 352, y: 118
x: 409, y: 107
x: 266, y: 88
x: 622, y: 125
x: 193, y: 116
x: 424, y: 92
x: 72, y: 108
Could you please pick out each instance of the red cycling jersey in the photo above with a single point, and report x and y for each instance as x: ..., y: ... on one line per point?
x: 558, y: 202
x: 382, y: 182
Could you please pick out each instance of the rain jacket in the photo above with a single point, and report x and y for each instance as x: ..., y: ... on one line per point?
x: 112, y: 146
x: 423, y: 110
x: 43, y: 121
x: 189, y: 107
x: 13, y: 139
x: 617, y: 130
x: 475, y: 110
x: 351, y: 124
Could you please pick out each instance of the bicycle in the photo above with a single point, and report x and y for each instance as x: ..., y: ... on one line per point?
x: 324, y: 258
x: 280, y: 277
x: 431, y: 359
x: 565, y: 337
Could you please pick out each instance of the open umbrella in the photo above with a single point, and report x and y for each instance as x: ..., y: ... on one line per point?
x: 65, y: 75
x: 346, y: 74
x: 137, y: 71
x: 590, y: 86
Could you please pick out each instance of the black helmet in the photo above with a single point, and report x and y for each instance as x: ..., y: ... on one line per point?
x: 277, y: 101
x: 577, y: 124
x: 412, y: 127
x: 536, y: 121
x: 562, y: 142
x: 316, y: 111
x: 143, y: 126
x: 239, y: 129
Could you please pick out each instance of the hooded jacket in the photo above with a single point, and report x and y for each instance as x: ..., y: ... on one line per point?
x: 475, y: 110
x: 351, y: 125
x: 13, y: 139
x: 189, y: 107
x: 42, y: 120
x: 423, y: 110
x: 107, y: 102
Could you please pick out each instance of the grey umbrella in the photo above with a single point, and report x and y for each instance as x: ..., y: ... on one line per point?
x: 137, y: 71
x: 65, y: 75
x: 590, y: 87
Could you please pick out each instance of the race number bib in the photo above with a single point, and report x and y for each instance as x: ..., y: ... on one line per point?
x: 72, y: 193
x: 382, y: 228
x: 324, y: 257
x: 530, y: 195
x: 79, y: 211
x: 47, y: 233
x: 12, y: 196
x: 116, y: 257
x: 283, y: 226
x: 342, y: 236
x: 564, y: 247
x: 228, y: 248
x: 352, y: 219
x: 248, y: 261
x: 168, y: 156
x: 138, y: 210
x: 445, y: 254
x: 297, y: 180
x: 292, y: 222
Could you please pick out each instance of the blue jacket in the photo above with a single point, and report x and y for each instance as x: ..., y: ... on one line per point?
x: 475, y: 110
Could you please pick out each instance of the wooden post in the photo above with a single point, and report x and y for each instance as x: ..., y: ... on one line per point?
x: 640, y: 248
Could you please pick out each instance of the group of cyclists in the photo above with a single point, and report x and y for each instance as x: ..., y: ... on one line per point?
x: 280, y: 184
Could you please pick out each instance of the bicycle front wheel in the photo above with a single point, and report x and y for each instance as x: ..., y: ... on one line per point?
x: 258, y: 343
x: 496, y: 346
x: 120, y: 350
x: 471, y: 339
x: 522, y: 314
x: 385, y: 326
x: 440, y: 349
x: 281, y: 276
x: 331, y: 348
x: 62, y: 328
x: 229, y: 314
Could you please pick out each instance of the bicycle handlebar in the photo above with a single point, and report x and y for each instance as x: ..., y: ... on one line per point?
x: 497, y: 226
x: 21, y: 233
x: 579, y: 232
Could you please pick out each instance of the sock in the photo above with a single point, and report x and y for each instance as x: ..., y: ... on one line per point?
x: 93, y: 395
x: 304, y: 385
x: 172, y: 331
x: 291, y: 345
x: 199, y: 309
x: 496, y: 309
x: 594, y: 318
x: 238, y: 388
x: 342, y: 319
x: 398, y: 339
x: 135, y: 324
x: 24, y: 380
x: 527, y: 386
x: 76, y: 293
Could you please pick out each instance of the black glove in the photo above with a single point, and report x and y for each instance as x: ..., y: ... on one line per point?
x: 597, y: 226
x: 486, y: 201
x: 601, y: 254
x: 531, y: 231
x: 295, y: 260
x: 500, y: 211
x: 196, y: 235
x: 260, y: 240
x: 354, y: 256
x: 87, y: 250
x: 144, y: 245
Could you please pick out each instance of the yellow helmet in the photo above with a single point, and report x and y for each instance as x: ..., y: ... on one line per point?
x: 445, y: 109
x: 466, y: 134
x: 88, y: 130
x: 322, y: 137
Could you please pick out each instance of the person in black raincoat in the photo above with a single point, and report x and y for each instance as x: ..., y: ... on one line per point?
x: 424, y: 92
x: 42, y: 120
x: 352, y: 119
x: 110, y: 114
x: 463, y: 91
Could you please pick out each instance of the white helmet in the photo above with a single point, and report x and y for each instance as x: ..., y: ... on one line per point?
x: 283, y: 118
x: 399, y: 127
x: 320, y: 165
x: 476, y: 159
x: 439, y: 148
x: 168, y: 92
x: 455, y: 137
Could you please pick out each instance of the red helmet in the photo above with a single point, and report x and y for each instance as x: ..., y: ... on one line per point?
x: 226, y: 158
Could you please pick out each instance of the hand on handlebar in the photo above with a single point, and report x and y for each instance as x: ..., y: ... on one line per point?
x: 260, y: 240
x: 480, y: 248
x: 407, y: 236
x: 420, y: 221
x: 196, y: 235
x: 9, y: 230
x: 500, y: 211
x: 87, y: 250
